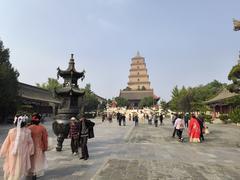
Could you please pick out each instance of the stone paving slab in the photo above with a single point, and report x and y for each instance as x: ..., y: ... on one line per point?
x: 119, y: 169
x: 146, y: 152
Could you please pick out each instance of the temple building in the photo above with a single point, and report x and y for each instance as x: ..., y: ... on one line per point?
x: 138, y: 84
x: 220, y: 103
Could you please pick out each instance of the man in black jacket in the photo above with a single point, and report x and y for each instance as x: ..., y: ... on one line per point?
x: 86, y: 131
x: 200, y: 120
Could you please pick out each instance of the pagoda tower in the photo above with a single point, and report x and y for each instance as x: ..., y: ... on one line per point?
x: 138, y: 78
x: 138, y: 83
x: 69, y: 93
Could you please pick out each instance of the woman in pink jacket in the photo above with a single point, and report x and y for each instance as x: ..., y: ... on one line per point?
x: 17, y: 149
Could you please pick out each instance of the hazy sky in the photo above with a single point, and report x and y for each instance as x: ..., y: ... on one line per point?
x: 185, y: 42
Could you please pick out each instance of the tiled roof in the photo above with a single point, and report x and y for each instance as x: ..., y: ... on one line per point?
x: 36, y: 93
x: 224, y: 94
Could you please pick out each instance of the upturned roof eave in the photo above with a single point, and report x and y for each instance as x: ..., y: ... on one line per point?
x: 71, y: 72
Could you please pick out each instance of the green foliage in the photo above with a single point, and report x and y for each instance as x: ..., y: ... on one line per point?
x: 89, y: 102
x: 234, y: 76
x: 175, y: 98
x: 109, y: 101
x: 207, y: 118
x: 146, y: 102
x: 234, y: 101
x: 235, y: 115
x: 8, y: 84
x: 102, y: 106
x: 164, y: 105
x: 192, y: 99
x: 50, y: 85
x: 224, y: 118
x: 121, y: 102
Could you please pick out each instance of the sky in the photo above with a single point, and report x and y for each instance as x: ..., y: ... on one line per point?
x: 184, y: 42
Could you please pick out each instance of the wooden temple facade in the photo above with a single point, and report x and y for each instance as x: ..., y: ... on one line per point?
x: 35, y: 99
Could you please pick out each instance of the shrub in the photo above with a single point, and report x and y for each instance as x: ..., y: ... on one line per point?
x: 235, y: 115
x: 224, y: 118
x: 207, y: 118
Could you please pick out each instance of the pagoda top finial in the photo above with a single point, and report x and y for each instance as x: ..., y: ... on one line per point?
x: 72, y: 56
x: 138, y: 56
x: 138, y: 53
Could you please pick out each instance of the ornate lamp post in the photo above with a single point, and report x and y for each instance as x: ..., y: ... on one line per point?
x: 70, y: 94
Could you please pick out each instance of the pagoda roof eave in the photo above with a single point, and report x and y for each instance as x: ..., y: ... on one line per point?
x: 67, y: 90
x: 70, y: 72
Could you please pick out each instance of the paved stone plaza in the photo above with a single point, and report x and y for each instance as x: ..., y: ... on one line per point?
x: 146, y: 153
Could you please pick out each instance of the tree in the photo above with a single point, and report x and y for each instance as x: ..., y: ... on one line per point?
x: 89, y: 102
x: 50, y: 85
x: 103, y: 105
x: 121, y: 102
x: 146, y: 102
x: 8, y: 84
x: 192, y: 99
x: 185, y: 100
x: 174, y: 101
x: 164, y: 105
x: 234, y: 76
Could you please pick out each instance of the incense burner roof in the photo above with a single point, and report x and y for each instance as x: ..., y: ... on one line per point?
x: 71, y: 71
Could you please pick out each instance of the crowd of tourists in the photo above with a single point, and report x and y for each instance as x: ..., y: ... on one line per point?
x: 196, y: 127
x: 24, y: 148
x: 135, y: 116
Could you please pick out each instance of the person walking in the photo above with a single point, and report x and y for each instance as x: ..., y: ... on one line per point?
x: 161, y: 119
x: 124, y: 119
x: 129, y: 117
x: 150, y: 118
x: 40, y: 139
x: 103, y: 117
x: 173, y: 118
x: 186, y: 119
x: 86, y: 132
x: 179, y: 125
x: 74, y: 135
x: 155, y: 118
x: 173, y: 121
x: 147, y: 118
x: 201, y: 123
x: 141, y: 117
x: 16, y: 151
x: 118, y: 118
x: 135, y: 119
x: 194, y: 130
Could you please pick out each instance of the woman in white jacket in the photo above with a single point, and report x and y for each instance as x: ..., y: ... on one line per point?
x: 179, y: 125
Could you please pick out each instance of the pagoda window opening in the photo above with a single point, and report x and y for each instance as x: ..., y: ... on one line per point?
x: 138, y: 87
x: 138, y: 67
x: 138, y: 80
x: 138, y: 73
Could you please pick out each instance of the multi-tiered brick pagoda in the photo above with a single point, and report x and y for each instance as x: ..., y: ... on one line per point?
x: 139, y: 84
